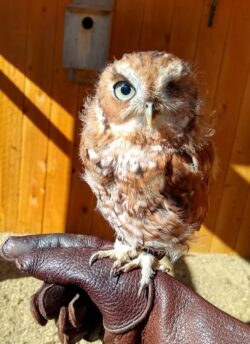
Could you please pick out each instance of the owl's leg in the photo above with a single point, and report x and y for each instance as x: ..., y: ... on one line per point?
x: 148, y: 263
x: 121, y: 253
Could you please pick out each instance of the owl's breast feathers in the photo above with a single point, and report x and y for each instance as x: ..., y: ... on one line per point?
x: 152, y: 196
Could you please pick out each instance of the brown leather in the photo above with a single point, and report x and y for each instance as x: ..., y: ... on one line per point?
x: 181, y: 316
x: 16, y: 246
x: 75, y: 314
x: 117, y: 297
x: 168, y: 312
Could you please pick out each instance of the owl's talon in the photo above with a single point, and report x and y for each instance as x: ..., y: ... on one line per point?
x: 125, y: 261
x: 120, y: 254
x: 142, y: 287
x: 114, y: 272
x: 93, y: 259
x: 100, y: 255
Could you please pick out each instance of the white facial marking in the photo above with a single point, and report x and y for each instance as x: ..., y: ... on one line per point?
x: 126, y: 128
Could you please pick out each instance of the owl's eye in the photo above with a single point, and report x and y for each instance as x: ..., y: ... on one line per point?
x: 172, y: 87
x: 123, y: 90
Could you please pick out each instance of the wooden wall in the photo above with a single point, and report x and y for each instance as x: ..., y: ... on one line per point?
x: 40, y: 187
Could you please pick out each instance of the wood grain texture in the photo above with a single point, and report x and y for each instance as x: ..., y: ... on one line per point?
x: 229, y: 95
x: 38, y: 83
x: 63, y: 113
x: 126, y: 28
x: 208, y: 58
x: 13, y: 37
x: 210, y: 47
x: 156, y: 25
x: 185, y: 28
x: 242, y: 246
x: 81, y: 204
x: 236, y: 187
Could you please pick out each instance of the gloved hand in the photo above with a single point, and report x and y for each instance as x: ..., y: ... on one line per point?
x: 89, y: 303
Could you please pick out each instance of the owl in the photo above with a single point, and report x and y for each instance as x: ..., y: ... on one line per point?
x: 148, y: 157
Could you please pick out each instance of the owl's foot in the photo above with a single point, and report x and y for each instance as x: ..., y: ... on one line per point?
x: 148, y: 263
x: 121, y: 254
x: 127, y: 259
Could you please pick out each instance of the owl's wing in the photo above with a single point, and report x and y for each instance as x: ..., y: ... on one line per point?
x: 187, y: 180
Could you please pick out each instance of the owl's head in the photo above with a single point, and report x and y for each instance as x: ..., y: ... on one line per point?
x: 150, y: 92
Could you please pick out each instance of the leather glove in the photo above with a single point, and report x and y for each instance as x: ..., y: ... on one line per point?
x: 87, y: 302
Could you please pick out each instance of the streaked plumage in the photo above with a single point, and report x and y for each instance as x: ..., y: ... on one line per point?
x: 147, y: 156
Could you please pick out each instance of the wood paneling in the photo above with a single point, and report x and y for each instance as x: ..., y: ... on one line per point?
x: 208, y: 58
x: 242, y: 246
x: 63, y: 112
x: 13, y: 38
x: 185, y: 28
x: 127, y: 26
x: 228, y: 100
x: 210, y: 47
x: 235, y: 192
x: 37, y: 91
x: 156, y: 12
x: 40, y: 184
x: 81, y: 205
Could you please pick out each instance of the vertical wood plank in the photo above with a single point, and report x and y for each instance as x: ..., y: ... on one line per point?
x: 41, y: 39
x: 208, y: 59
x: 101, y: 227
x: 13, y: 35
x: 211, y: 46
x: 185, y: 28
x: 63, y: 114
x: 157, y: 22
x: 126, y: 28
x: 242, y: 246
x: 81, y: 197
x: 235, y: 190
x: 228, y: 101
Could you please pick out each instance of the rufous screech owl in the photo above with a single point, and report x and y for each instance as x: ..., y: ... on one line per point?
x: 148, y: 157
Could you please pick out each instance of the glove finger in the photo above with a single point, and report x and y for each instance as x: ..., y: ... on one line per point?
x: 77, y: 311
x: 66, y: 332
x: 85, y: 318
x: 61, y: 325
x: 63, y: 266
x: 52, y: 297
x: 64, y: 339
x: 16, y: 246
x: 35, y: 309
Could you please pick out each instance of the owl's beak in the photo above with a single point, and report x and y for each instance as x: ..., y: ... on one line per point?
x: 149, y: 113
